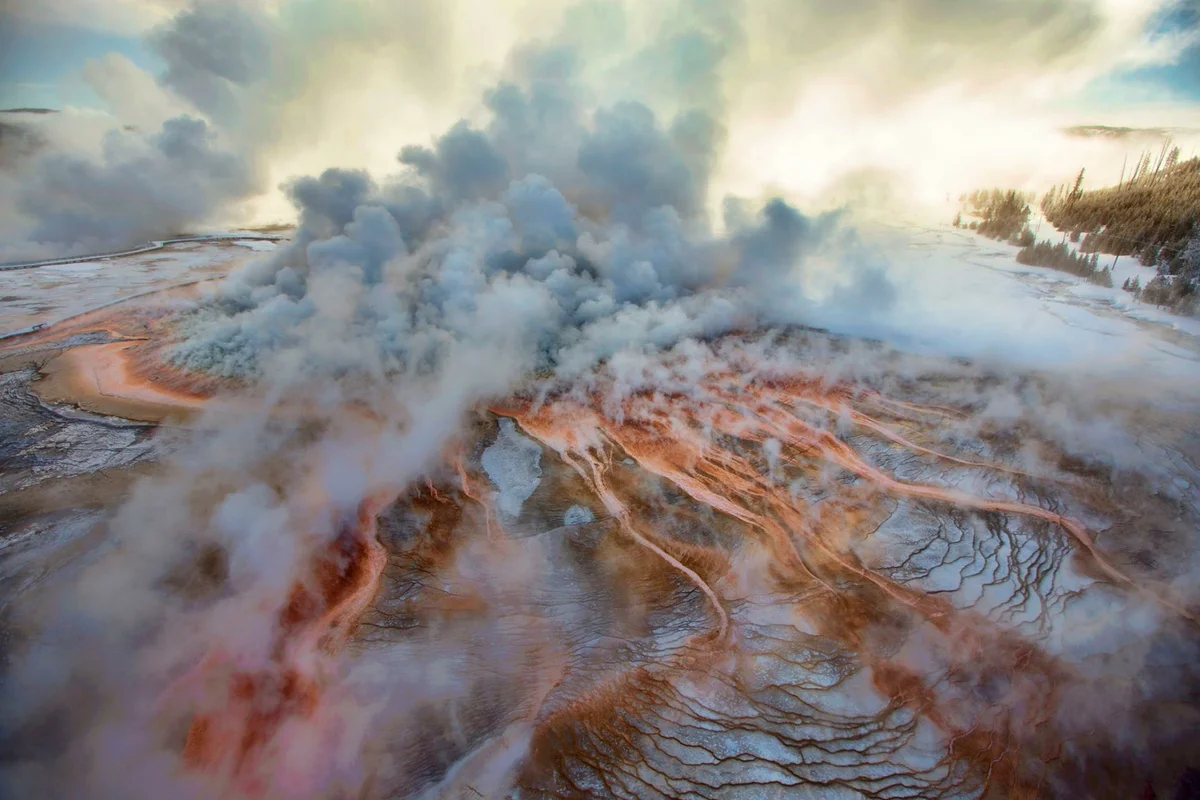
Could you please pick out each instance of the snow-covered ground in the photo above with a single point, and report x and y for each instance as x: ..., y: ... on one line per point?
x: 1127, y: 267
x: 43, y: 295
x: 960, y: 294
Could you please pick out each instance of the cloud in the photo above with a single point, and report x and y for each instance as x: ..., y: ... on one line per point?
x: 143, y: 186
x: 464, y: 164
x: 122, y: 17
x: 925, y: 97
x: 463, y: 248
x: 134, y: 97
x: 900, y: 49
x: 211, y: 52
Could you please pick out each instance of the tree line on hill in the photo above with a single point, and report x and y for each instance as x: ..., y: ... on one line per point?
x: 1004, y: 215
x: 1061, y: 257
x: 1152, y: 214
x: 1000, y: 214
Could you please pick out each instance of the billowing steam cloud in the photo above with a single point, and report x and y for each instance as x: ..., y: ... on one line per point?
x: 213, y: 53
x: 568, y: 232
x: 184, y: 171
x: 560, y: 232
x: 142, y: 187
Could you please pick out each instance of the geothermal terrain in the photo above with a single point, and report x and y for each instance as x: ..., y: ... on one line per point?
x: 602, y: 420
x: 847, y: 560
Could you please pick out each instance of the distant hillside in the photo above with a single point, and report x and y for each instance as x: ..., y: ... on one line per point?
x: 28, y: 110
x: 1112, y: 132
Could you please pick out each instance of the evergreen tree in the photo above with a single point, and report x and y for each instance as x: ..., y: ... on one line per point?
x: 1153, y: 215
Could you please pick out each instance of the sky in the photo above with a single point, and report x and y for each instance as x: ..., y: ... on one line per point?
x: 46, y: 44
x: 834, y: 101
x: 41, y: 62
x: 1179, y: 77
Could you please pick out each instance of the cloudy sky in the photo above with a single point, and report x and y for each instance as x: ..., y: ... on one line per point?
x: 1110, y: 44
x: 843, y: 99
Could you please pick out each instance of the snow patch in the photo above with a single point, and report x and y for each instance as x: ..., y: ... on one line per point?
x: 514, y: 465
x: 578, y: 515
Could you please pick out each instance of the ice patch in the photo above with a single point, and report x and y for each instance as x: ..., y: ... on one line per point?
x: 72, y: 268
x: 578, y: 515
x: 514, y: 465
x: 259, y: 245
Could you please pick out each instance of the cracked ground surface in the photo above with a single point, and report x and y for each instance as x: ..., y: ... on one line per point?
x: 775, y: 586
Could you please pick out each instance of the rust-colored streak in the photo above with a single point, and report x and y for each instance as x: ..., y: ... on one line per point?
x: 473, y: 493
x: 235, y: 742
x: 701, y: 443
x: 592, y: 466
x: 727, y: 448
